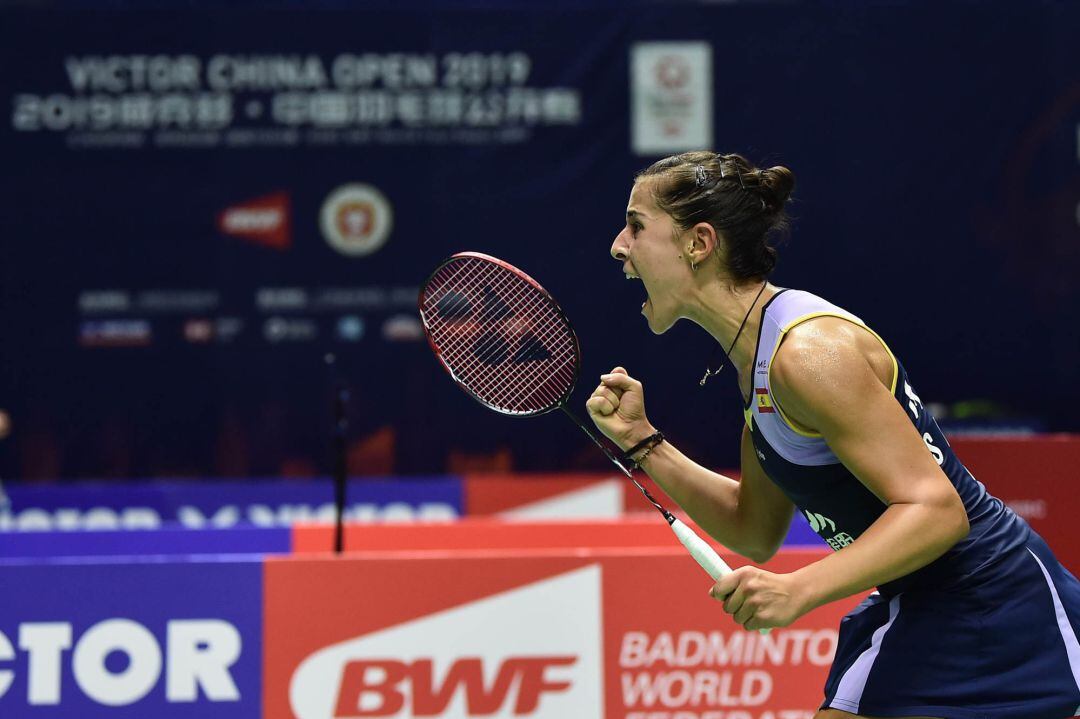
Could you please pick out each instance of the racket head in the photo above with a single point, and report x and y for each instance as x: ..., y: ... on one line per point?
x: 500, y: 335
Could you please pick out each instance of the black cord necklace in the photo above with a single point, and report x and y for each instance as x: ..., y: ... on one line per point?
x: 727, y: 355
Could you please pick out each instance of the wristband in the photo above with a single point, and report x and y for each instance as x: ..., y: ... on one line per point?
x: 648, y: 444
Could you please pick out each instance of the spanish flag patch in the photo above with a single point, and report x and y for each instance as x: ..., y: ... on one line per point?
x: 764, y: 402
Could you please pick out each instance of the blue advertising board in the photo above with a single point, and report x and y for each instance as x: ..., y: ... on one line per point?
x: 171, y: 540
x: 222, y: 504
x: 132, y: 639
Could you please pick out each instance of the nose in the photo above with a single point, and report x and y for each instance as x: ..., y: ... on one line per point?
x: 620, y: 248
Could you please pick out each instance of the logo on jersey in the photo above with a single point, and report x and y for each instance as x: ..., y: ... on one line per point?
x: 914, y: 403
x: 825, y: 527
x: 764, y: 401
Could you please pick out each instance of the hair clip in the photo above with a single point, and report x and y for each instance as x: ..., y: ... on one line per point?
x: 701, y: 175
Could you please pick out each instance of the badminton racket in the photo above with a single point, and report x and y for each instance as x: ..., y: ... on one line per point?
x: 506, y: 342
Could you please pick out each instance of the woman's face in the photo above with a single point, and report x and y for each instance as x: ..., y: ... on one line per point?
x: 649, y: 248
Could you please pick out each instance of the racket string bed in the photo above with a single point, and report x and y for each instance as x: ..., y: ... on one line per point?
x: 466, y: 337
x: 539, y: 384
x: 546, y: 338
x: 519, y: 301
x: 464, y: 299
x: 512, y: 302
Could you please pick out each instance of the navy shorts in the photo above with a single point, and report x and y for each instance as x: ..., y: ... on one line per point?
x: 1000, y: 645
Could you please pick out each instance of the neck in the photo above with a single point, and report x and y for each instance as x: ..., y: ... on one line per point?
x: 720, y: 307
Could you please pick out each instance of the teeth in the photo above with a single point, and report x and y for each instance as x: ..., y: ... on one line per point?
x: 632, y: 277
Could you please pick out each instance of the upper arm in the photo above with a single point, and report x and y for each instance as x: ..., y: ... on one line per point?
x: 824, y: 376
x: 763, y: 509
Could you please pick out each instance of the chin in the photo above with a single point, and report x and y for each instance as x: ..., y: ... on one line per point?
x: 659, y: 327
x: 659, y: 321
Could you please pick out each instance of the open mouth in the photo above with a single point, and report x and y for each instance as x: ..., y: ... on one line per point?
x: 631, y: 276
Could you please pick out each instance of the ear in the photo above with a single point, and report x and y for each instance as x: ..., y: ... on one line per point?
x: 702, y: 242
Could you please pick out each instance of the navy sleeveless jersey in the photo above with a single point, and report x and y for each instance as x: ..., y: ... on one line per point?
x: 837, y: 505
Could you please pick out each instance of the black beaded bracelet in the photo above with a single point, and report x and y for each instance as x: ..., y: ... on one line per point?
x: 648, y: 444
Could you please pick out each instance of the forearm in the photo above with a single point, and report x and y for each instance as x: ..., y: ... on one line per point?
x: 711, y: 499
x: 906, y: 537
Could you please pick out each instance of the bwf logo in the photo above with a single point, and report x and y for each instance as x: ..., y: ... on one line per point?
x: 480, y: 659
x: 384, y: 687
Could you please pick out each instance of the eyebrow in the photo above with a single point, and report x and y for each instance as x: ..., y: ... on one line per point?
x: 631, y: 214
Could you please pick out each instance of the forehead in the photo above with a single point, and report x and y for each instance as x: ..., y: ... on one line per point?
x: 641, y: 198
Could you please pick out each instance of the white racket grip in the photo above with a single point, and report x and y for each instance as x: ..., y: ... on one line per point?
x: 702, y: 553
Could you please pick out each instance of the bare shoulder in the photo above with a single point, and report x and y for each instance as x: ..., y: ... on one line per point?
x: 827, y: 348
x: 828, y: 360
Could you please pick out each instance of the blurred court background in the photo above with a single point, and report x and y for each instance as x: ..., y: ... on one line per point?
x: 205, y: 202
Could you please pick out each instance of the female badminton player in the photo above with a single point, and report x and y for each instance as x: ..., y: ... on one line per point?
x: 972, y: 615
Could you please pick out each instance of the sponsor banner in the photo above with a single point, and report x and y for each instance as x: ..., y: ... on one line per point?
x: 221, y: 504
x: 475, y: 533
x: 109, y: 509
x: 638, y: 530
x: 671, y: 88
x: 167, y: 540
x: 222, y: 99
x: 584, y: 496
x: 633, y: 634
x: 140, y: 639
x: 115, y: 333
x: 264, y: 221
x: 483, y: 110
x: 540, y: 496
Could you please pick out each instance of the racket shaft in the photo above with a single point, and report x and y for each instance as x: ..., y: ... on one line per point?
x: 596, y: 441
x: 702, y: 553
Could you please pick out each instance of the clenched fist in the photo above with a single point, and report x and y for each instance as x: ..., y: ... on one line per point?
x: 617, y: 407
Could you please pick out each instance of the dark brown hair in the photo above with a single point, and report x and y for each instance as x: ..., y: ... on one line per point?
x: 743, y: 203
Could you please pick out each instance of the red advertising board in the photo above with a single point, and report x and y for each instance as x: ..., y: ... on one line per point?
x: 1038, y: 477
x: 627, y: 634
x: 563, y: 495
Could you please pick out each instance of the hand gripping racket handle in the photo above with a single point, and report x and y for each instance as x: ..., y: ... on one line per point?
x: 702, y: 553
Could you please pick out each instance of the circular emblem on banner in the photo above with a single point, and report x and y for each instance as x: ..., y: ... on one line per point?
x: 672, y: 72
x: 356, y: 220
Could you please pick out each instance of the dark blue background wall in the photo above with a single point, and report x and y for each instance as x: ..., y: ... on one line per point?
x: 935, y: 147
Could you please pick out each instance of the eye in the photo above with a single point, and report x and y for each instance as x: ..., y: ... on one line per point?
x: 635, y: 227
